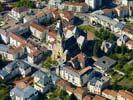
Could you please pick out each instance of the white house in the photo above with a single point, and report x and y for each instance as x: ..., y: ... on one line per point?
x: 18, y: 13
x: 42, y: 81
x: 122, y: 40
x: 38, y: 31
x: 96, y: 85
x: 94, y: 4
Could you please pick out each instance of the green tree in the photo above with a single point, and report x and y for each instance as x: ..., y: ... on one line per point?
x: 1, y: 7
x: 25, y: 3
x: 48, y: 63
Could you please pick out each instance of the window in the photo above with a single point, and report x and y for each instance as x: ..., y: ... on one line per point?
x: 73, y: 8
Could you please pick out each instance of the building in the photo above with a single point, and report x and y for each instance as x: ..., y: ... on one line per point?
x: 108, y: 12
x: 124, y: 95
x: 94, y: 4
x: 80, y: 93
x: 55, y: 3
x: 104, y: 63
x: 75, y: 7
x: 67, y: 16
x: 128, y: 32
x: 106, y: 47
x: 17, y: 67
x: 109, y: 94
x: 127, y: 2
x: 87, y: 97
x: 28, y: 93
x: 73, y: 73
x: 38, y: 31
x: 96, y: 85
x: 97, y: 17
x: 18, y: 13
x: 42, y: 82
x: 97, y: 97
x: 122, y: 11
x: 122, y: 40
x: 129, y: 44
x: 62, y: 84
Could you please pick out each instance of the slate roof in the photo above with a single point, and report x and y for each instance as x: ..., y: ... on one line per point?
x: 24, y: 93
x: 4, y: 73
x: 40, y: 74
x: 104, y: 63
x: 4, y: 48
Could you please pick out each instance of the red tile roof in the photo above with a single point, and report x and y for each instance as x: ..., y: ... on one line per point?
x: 87, y: 97
x: 38, y: 27
x: 99, y: 98
x: 130, y: 42
x: 110, y: 92
x: 126, y: 94
x: 17, y: 38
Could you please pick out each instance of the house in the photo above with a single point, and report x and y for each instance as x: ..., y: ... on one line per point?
x: 122, y: 11
x: 75, y: 7
x: 38, y: 31
x: 106, y: 46
x: 17, y: 67
x: 109, y: 94
x: 43, y: 16
x: 108, y: 12
x: 36, y: 55
x: 105, y: 21
x: 87, y: 97
x: 18, y: 13
x: 128, y: 32
x: 127, y: 2
x: 69, y: 89
x: 62, y: 84
x: 124, y: 95
x: 54, y: 3
x: 94, y: 4
x: 24, y: 68
x: 4, y: 52
x: 122, y: 40
x: 129, y: 44
x: 42, y: 81
x: 16, y: 40
x: 104, y: 63
x: 28, y: 93
x: 96, y: 85
x: 73, y: 73
x: 98, y: 97
x: 67, y: 16
x: 80, y: 93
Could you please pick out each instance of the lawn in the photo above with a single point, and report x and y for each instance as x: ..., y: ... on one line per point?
x: 127, y: 82
x: 87, y: 28
x: 129, y: 25
x: 3, y: 93
x: 115, y: 76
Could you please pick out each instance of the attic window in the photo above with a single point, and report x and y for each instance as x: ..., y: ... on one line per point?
x: 104, y: 62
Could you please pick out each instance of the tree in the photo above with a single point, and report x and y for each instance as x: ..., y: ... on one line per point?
x: 25, y: 3
x: 1, y: 7
x: 49, y: 62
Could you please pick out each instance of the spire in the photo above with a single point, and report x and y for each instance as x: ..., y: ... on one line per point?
x: 59, y: 28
